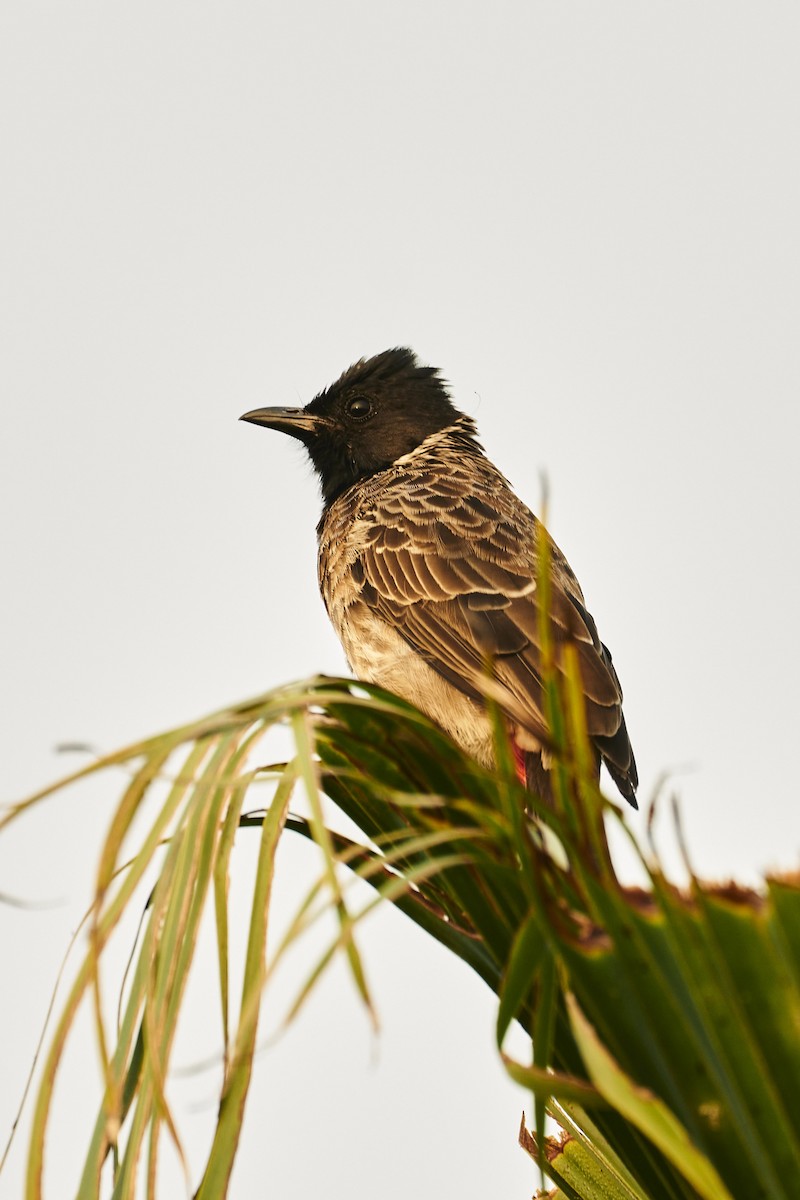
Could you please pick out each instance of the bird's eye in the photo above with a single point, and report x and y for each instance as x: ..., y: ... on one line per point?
x: 359, y: 408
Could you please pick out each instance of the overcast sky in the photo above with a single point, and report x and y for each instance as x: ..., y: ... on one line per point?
x: 585, y: 214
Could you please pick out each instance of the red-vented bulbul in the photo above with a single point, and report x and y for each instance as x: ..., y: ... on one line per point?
x: 428, y: 565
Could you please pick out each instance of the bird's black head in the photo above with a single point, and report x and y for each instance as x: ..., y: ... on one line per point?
x: 380, y: 409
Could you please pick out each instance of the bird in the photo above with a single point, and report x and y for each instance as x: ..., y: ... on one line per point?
x: 428, y: 565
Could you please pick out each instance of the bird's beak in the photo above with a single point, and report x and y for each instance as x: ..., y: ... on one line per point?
x: 294, y: 421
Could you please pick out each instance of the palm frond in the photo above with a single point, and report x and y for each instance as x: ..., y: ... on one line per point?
x: 664, y: 1025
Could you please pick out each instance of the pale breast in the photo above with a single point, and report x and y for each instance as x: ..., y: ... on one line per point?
x: 378, y: 654
x: 375, y: 651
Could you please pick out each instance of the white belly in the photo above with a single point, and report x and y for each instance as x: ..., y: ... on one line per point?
x: 378, y: 654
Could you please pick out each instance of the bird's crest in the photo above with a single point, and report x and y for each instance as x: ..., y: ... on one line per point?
x: 397, y: 366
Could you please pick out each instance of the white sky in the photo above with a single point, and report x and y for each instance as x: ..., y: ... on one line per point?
x: 586, y: 214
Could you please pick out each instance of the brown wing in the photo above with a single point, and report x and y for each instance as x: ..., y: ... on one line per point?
x: 455, y: 574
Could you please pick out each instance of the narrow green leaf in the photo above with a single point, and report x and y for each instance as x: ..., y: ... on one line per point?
x: 230, y: 825
x: 527, y: 952
x: 548, y: 1084
x: 584, y: 1174
x: 216, y: 1177
x: 544, y: 1027
x: 644, y: 1110
x: 577, y: 1123
x: 308, y: 772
